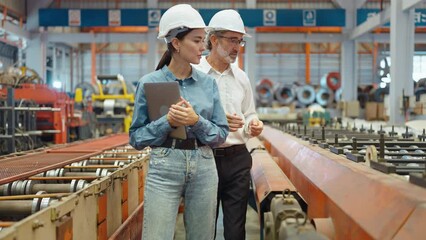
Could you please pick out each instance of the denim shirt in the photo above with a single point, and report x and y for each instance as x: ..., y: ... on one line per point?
x: 201, y: 91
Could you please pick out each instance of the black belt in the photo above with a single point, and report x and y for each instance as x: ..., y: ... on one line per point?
x: 187, y: 144
x: 227, y: 151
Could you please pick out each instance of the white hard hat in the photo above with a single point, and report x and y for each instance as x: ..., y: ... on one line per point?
x: 227, y: 20
x: 181, y: 16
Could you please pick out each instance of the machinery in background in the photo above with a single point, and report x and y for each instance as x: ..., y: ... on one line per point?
x: 18, y: 130
x: 287, y: 220
x: 315, y: 115
x: 33, y: 114
x: 112, y: 100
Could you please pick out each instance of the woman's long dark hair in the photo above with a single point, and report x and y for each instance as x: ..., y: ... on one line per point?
x: 167, y: 56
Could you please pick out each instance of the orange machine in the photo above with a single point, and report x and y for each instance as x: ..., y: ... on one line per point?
x: 53, y: 123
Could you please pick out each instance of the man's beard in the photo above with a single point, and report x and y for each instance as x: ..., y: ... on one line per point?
x: 225, y: 55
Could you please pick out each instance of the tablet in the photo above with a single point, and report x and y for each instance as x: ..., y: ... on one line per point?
x: 160, y: 96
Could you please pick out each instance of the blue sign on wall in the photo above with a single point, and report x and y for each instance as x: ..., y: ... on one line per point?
x: 51, y: 17
x: 364, y: 14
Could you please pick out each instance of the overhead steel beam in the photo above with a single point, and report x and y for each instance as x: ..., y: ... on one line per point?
x: 16, y: 30
x: 371, y: 23
x: 251, y: 3
x: 408, y: 4
x: 338, y: 3
x: 74, y: 38
x: 97, y: 38
x: 152, y: 3
x: 385, y: 38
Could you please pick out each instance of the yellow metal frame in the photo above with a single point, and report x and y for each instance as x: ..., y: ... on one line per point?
x: 102, y: 96
x: 128, y: 96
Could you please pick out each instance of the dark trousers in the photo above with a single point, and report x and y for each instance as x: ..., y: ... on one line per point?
x: 234, y: 179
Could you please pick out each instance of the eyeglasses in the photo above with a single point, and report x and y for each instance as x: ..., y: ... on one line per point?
x: 234, y: 41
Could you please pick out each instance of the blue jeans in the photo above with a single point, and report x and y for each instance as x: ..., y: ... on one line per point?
x: 176, y: 173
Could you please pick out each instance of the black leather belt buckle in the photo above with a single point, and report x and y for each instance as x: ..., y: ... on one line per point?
x: 185, y: 144
x: 223, y: 152
x: 219, y: 152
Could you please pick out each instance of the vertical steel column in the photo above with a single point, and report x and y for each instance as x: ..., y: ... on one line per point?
x: 349, y: 55
x: 152, y: 57
x: 250, y: 57
x: 11, y: 120
x: 402, y: 51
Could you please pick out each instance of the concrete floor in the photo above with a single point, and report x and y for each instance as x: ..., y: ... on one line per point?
x: 252, y: 226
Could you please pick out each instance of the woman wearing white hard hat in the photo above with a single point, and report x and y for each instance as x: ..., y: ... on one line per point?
x: 181, y: 168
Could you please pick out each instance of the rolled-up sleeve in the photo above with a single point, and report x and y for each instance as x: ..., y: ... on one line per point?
x: 213, y: 132
x: 144, y: 132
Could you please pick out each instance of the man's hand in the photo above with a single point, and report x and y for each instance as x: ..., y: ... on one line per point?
x: 235, y: 122
x: 255, y: 127
x: 182, y: 114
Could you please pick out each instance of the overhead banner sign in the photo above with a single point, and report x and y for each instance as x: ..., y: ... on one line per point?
x: 151, y: 17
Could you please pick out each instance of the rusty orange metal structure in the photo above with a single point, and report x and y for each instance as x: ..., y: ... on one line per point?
x: 48, y: 97
x: 363, y: 203
x: 15, y: 168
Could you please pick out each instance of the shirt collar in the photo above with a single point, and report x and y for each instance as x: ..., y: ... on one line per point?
x: 208, y: 68
x: 171, y: 77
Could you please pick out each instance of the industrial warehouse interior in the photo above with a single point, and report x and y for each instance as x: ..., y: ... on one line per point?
x: 293, y: 119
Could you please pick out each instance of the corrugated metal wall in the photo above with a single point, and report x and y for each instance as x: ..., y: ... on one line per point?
x: 290, y: 68
x: 366, y: 74
x: 280, y: 68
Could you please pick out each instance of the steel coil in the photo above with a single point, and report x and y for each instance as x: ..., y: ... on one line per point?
x: 305, y: 94
x: 264, y: 94
x: 324, y: 97
x: 284, y: 94
x: 331, y: 80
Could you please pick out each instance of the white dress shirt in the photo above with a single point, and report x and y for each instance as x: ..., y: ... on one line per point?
x: 236, y: 96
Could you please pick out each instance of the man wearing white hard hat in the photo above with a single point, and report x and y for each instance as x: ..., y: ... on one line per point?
x: 225, y: 34
x: 180, y: 168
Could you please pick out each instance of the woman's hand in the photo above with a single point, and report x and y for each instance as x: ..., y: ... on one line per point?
x: 182, y: 114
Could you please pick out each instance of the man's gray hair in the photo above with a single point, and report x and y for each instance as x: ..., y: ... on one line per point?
x: 208, y: 43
